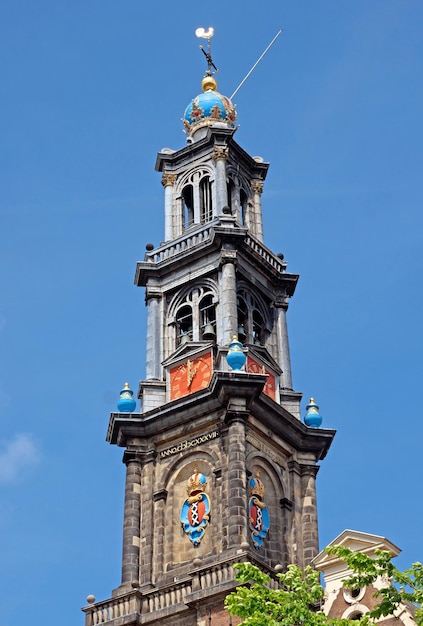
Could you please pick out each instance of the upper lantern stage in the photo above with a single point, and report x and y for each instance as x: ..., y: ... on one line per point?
x: 207, y: 109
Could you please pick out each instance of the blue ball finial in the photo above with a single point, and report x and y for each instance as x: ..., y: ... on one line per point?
x: 312, y: 417
x: 236, y: 357
x: 126, y: 402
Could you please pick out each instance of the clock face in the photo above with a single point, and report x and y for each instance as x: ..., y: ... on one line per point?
x: 190, y: 376
x: 255, y: 368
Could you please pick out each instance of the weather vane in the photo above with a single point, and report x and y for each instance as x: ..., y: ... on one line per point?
x: 207, y: 34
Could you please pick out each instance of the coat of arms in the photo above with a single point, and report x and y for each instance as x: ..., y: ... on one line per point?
x: 195, y: 512
x: 258, y: 513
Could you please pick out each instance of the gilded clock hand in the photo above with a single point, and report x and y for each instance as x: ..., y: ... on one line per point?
x: 191, y: 372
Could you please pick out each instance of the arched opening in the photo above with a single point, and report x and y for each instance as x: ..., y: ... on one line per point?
x: 230, y: 190
x: 242, y: 319
x: 188, y: 205
x: 252, y: 326
x: 243, y: 205
x: 258, y: 329
x: 206, y: 206
x: 184, y: 324
x: 207, y: 318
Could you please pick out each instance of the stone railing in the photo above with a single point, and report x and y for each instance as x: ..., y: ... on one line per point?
x: 169, y: 596
x: 264, y: 253
x: 171, y: 249
x: 214, y: 575
x: 109, y: 610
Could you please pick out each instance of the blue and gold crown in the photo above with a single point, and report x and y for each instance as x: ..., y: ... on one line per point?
x: 196, y: 483
x: 256, y: 486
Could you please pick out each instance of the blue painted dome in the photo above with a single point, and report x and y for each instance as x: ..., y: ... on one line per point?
x: 208, y: 108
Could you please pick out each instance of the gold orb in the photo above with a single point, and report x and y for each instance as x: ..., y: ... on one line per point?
x: 209, y: 83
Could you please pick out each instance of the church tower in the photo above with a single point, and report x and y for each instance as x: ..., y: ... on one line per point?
x: 219, y: 466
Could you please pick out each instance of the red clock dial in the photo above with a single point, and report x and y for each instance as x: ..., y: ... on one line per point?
x: 255, y: 368
x: 190, y: 376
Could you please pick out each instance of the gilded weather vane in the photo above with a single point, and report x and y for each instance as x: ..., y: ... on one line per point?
x: 207, y: 34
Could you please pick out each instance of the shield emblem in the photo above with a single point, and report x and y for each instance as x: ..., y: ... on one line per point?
x: 259, y: 521
x: 195, y: 515
x: 195, y: 511
x: 258, y: 513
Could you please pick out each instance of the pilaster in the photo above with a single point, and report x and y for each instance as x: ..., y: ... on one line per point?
x: 281, y: 307
x: 295, y: 537
x: 309, y: 512
x: 168, y: 181
x: 257, y: 188
x: 159, y: 506
x: 154, y: 335
x: 220, y: 155
x: 132, y: 517
x: 237, y: 472
x: 229, y: 315
x: 147, y: 526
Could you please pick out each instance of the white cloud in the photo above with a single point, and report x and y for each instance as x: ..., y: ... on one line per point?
x: 16, y: 456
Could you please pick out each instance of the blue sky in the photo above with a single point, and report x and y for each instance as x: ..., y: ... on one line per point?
x: 90, y: 92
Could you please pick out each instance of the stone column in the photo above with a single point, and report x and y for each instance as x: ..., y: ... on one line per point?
x: 148, y: 528
x: 168, y: 181
x: 286, y: 508
x: 294, y: 534
x: 237, y: 477
x: 228, y: 306
x: 220, y: 154
x: 257, y: 187
x: 159, y: 499
x: 131, y: 518
x: 281, y: 307
x: 154, y: 333
x: 310, y: 528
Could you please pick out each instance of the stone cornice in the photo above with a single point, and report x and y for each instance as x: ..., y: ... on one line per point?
x: 139, y: 455
x: 235, y: 392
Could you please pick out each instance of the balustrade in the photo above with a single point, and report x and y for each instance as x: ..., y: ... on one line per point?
x: 152, y: 600
x: 173, y: 248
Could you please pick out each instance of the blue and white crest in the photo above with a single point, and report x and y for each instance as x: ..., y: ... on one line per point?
x: 258, y: 513
x: 195, y: 511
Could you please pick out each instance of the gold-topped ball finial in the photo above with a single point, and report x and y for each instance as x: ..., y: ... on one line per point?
x: 209, y: 83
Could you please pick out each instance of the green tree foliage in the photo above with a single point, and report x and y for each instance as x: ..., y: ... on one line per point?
x: 404, y: 586
x: 297, y: 598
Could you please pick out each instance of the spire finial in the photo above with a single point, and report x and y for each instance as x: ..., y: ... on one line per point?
x: 207, y: 34
x: 312, y: 417
x: 126, y: 402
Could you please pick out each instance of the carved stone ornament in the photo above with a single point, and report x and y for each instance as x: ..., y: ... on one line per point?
x: 220, y: 152
x: 257, y: 186
x: 168, y: 180
x: 195, y: 512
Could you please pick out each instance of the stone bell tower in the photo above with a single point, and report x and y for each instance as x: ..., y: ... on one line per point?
x: 220, y: 467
